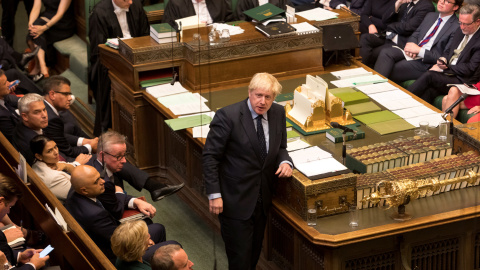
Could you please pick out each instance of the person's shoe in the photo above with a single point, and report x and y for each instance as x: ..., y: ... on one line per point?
x: 39, y: 77
x: 26, y: 57
x: 161, y: 193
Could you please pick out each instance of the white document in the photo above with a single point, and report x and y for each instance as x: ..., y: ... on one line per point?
x: 296, y: 145
x: 166, y: 90
x: 414, y: 112
x: 376, y: 88
x: 321, y: 166
x: 350, y: 73
x: 390, y: 95
x: 305, y: 28
x: 302, y: 107
x: 308, y: 155
x: 360, y: 80
x: 317, y: 14
x: 211, y: 114
x: 182, y: 98
x: 61, y: 220
x: 190, y: 22
x: 408, y: 58
x: 398, y: 104
x: 201, y: 131
x: 466, y: 90
x: 233, y: 30
x: 317, y: 85
x: 432, y: 119
x: 189, y: 108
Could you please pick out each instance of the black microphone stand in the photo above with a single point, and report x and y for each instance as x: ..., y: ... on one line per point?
x: 344, y: 146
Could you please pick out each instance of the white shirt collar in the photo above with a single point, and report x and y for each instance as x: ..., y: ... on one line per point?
x: 53, y: 108
x: 109, y: 173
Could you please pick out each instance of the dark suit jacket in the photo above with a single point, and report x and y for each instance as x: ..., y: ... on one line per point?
x: 8, y: 117
x: 441, y: 41
x: 373, y: 13
x: 220, y: 10
x: 97, y: 222
x: 244, y: 5
x: 115, y: 203
x: 231, y: 158
x: 5, y: 248
x: 405, y: 24
x: 55, y: 131
x: 72, y: 130
x: 469, y: 59
x: 22, y: 136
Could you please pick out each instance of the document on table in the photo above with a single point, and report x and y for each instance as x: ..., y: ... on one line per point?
x: 321, y: 166
x: 166, y: 90
x: 432, y: 119
x: 398, y: 104
x: 189, y: 108
x: 233, y: 30
x: 317, y: 14
x: 188, y: 122
x: 296, y: 145
x: 308, y: 154
x: 388, y: 96
x: 350, y: 73
x: 414, y: 112
x: 182, y: 98
x: 357, y: 81
x: 376, y: 88
x: 201, y: 131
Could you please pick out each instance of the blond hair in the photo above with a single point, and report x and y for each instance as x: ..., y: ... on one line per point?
x: 265, y: 81
x: 129, y: 240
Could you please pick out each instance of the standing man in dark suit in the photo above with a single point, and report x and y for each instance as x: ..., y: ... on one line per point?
x: 98, y: 223
x: 209, y: 11
x: 427, y: 43
x: 28, y: 259
x: 401, y: 18
x: 244, y: 153
x: 8, y: 103
x: 58, y: 95
x: 34, y: 119
x: 110, y: 19
x: 458, y: 63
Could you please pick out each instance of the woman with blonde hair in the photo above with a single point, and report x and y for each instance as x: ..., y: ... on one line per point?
x: 130, y: 241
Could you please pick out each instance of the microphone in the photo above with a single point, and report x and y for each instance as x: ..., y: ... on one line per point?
x: 174, y: 77
x: 344, y: 128
x: 449, y: 110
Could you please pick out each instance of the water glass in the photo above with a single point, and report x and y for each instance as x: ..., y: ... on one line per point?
x: 353, y: 219
x: 424, y: 127
x: 225, y: 35
x: 443, y: 130
x: 312, y: 217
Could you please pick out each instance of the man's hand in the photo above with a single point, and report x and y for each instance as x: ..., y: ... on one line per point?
x: 372, y: 29
x: 3, y: 258
x: 216, y: 206
x: 13, y: 234
x: 145, y: 207
x: 37, y: 261
x: 118, y: 189
x: 12, y: 90
x: 26, y: 255
x: 412, y: 48
x: 93, y: 142
x: 398, y: 3
x: 284, y: 170
x: 436, y: 68
x: 83, y: 158
x: 440, y: 64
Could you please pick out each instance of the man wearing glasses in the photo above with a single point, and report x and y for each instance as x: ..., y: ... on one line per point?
x: 458, y: 63
x: 58, y: 97
x: 425, y: 45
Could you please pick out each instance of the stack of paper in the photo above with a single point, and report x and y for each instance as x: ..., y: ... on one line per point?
x: 376, y: 88
x: 316, y: 163
x: 350, y: 73
x: 185, y: 103
x: 166, y: 90
x: 233, y: 30
x: 296, y: 145
x: 305, y: 28
x: 188, y: 122
x: 360, y: 80
x: 376, y: 117
x: 432, y: 119
x: 318, y: 14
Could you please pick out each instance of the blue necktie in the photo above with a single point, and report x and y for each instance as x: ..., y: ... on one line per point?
x: 261, y: 138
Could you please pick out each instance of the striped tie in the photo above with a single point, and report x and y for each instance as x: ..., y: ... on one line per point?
x: 427, y: 39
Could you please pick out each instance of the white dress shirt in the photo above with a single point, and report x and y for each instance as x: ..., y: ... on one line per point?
x: 122, y: 19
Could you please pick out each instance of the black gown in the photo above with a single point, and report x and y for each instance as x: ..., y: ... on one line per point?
x: 103, y: 25
x: 220, y: 10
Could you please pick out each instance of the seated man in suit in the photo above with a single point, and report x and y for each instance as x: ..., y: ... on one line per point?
x: 111, y: 158
x: 58, y: 96
x: 28, y: 259
x: 34, y: 119
x: 401, y: 19
x: 244, y: 5
x: 98, y: 223
x: 8, y: 103
x: 459, y: 62
x: 208, y: 11
x: 427, y: 43
x: 171, y: 257
x: 110, y: 19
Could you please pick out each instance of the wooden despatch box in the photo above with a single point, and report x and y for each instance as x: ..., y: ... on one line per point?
x: 329, y: 196
x: 466, y: 137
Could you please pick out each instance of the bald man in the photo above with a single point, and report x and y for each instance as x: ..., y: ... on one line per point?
x: 97, y: 222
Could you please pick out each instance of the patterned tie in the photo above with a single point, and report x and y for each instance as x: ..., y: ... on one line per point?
x: 261, y: 138
x: 427, y: 39
x: 456, y: 53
